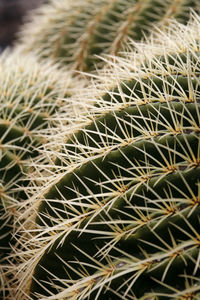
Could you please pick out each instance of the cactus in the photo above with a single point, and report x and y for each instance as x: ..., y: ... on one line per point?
x: 117, y: 217
x: 73, y: 32
x: 29, y: 100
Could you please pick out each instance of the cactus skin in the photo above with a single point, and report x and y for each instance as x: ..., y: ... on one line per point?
x: 105, y: 27
x: 29, y: 100
x: 121, y: 219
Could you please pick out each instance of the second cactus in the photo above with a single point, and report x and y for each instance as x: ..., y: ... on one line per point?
x: 74, y: 32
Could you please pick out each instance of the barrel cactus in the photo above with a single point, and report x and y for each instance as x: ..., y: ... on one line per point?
x: 117, y: 216
x: 31, y: 94
x: 73, y: 32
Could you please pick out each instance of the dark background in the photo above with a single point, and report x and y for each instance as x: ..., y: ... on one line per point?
x: 12, y: 13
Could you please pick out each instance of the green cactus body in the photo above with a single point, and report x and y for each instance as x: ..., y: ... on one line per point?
x: 120, y: 217
x: 29, y: 99
x: 73, y: 33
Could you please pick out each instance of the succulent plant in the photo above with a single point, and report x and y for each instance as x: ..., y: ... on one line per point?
x: 30, y: 95
x: 73, y: 32
x: 117, y: 216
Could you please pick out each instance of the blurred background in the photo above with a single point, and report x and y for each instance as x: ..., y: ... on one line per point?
x: 12, y: 13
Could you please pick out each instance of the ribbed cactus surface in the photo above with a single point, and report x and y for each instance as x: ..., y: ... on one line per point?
x: 118, y: 216
x: 73, y: 32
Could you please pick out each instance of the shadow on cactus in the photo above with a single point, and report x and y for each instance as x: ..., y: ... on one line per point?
x: 121, y: 220
x: 73, y: 32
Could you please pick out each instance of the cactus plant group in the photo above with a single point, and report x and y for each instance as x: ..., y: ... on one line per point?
x: 117, y: 214
x: 73, y: 32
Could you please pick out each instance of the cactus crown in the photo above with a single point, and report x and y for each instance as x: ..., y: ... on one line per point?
x: 120, y: 207
x: 73, y: 32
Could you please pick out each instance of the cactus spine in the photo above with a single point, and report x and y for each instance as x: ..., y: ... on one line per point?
x: 118, y: 216
x: 73, y: 32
